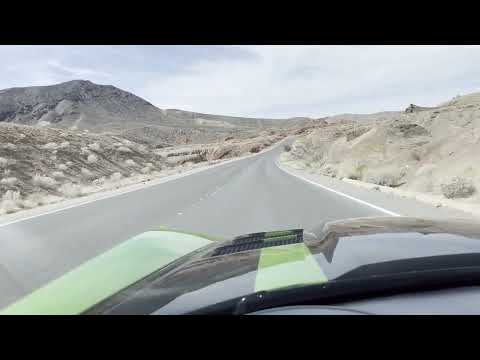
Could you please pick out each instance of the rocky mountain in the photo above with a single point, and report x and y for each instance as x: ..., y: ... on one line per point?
x: 75, y: 104
x: 81, y: 104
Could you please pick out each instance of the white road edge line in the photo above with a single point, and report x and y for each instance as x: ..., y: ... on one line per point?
x: 338, y: 192
x: 140, y: 186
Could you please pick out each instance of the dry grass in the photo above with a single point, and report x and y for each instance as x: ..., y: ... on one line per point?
x: 50, y: 146
x: 124, y: 150
x: 44, y: 182
x: 70, y: 190
x: 92, y: 159
x: 94, y: 147
x: 87, y: 174
x: 58, y: 175
x: 10, y: 202
x: 4, y: 162
x: 10, y: 181
x: 116, y: 176
x: 130, y: 162
x: 9, y: 146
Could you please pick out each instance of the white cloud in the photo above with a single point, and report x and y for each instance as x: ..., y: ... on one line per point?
x: 76, y: 72
x: 318, y: 80
x: 268, y: 81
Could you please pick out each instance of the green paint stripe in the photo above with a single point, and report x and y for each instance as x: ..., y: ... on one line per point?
x: 287, y: 265
x: 280, y: 238
x: 106, y: 274
x: 278, y: 233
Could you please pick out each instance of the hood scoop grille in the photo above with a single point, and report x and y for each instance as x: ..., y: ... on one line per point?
x: 260, y: 241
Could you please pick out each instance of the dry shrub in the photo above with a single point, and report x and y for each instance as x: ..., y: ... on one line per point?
x: 70, y: 190
x: 10, y: 181
x: 44, y: 182
x: 92, y: 159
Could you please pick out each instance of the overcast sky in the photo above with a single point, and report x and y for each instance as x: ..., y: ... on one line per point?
x: 266, y: 81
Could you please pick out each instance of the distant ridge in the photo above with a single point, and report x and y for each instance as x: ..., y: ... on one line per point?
x: 82, y: 104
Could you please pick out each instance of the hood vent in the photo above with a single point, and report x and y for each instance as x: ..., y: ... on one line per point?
x: 260, y: 240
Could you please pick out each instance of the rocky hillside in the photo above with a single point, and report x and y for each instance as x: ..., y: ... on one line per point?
x: 349, y: 118
x: 428, y: 150
x: 163, y: 136
x: 45, y: 165
x: 208, y: 120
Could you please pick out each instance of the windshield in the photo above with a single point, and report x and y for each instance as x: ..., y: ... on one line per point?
x: 164, y: 179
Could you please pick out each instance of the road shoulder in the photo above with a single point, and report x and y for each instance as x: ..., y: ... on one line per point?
x: 394, y: 202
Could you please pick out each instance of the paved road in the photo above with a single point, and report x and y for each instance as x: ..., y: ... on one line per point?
x: 244, y: 196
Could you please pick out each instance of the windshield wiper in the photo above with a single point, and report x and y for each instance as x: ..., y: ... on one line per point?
x: 346, y: 290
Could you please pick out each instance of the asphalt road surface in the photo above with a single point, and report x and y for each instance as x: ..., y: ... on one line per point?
x: 243, y: 196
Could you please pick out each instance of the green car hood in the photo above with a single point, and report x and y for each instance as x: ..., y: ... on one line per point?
x: 108, y: 273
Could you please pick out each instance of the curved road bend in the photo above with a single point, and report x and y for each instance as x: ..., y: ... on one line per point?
x: 243, y: 196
